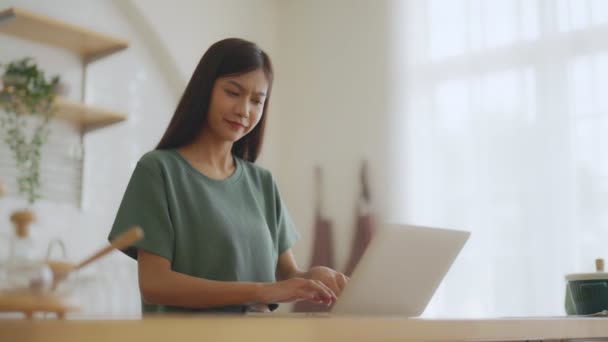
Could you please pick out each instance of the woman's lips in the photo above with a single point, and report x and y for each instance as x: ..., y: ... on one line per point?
x: 235, y: 125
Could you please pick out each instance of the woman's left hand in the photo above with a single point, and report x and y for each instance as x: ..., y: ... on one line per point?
x: 336, y: 281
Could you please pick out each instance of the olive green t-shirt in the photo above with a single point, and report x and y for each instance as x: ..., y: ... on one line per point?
x: 226, y: 230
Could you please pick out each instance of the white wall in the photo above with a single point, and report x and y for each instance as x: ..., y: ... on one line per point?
x: 333, y: 80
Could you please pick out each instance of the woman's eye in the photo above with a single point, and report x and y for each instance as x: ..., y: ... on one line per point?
x: 258, y: 102
x: 232, y: 93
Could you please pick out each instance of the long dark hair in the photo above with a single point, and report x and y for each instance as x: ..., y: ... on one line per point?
x: 230, y: 56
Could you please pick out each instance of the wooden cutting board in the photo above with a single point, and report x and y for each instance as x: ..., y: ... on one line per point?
x: 29, y: 303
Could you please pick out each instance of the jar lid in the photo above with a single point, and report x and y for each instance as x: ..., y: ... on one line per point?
x: 598, y: 275
x: 587, y: 276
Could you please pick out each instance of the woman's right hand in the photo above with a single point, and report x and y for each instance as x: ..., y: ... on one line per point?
x: 296, y: 289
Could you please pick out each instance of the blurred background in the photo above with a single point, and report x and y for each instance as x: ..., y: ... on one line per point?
x: 487, y: 116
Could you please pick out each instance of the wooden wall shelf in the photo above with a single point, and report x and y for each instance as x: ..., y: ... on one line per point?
x: 86, y: 116
x: 30, y: 26
x: 89, y: 45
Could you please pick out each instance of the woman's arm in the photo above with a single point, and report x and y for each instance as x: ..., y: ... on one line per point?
x: 159, y: 284
x: 287, y: 268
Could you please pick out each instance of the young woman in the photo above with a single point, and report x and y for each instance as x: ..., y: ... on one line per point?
x: 218, y: 237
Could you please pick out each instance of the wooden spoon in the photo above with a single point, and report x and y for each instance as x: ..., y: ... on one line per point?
x: 62, y: 269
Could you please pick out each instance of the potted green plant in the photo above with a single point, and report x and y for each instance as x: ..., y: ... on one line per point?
x: 26, y: 103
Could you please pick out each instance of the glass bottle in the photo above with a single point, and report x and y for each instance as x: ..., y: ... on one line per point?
x: 21, y: 265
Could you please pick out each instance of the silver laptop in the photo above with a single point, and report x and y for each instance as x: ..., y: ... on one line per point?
x: 400, y: 271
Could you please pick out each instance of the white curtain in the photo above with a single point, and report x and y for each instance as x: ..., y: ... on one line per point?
x: 501, y: 128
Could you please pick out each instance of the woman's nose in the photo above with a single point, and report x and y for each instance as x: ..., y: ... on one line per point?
x: 242, y: 108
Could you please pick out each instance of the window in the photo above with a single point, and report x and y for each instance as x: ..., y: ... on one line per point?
x: 505, y: 124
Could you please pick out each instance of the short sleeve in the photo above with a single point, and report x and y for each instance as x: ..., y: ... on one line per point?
x: 287, y: 234
x: 145, y: 204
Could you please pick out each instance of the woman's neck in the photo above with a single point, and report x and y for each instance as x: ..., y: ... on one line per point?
x: 210, y: 156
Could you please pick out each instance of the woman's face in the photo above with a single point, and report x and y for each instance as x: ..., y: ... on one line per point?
x: 236, y: 105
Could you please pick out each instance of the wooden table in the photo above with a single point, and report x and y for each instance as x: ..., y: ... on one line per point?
x: 303, y: 328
